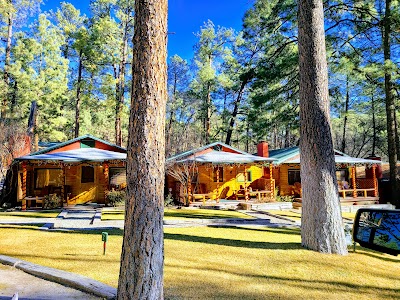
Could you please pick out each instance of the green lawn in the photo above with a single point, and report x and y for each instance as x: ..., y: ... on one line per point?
x: 29, y: 214
x: 221, y: 263
x: 296, y: 216
x: 181, y: 214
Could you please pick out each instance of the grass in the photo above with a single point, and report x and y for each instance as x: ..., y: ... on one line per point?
x: 181, y: 214
x: 29, y: 214
x: 221, y: 263
x: 296, y: 216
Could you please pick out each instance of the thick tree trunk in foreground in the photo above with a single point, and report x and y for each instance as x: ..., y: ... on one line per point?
x: 321, y: 227
x: 141, y: 273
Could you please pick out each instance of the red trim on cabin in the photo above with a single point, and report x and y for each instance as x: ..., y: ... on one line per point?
x: 100, y: 145
x: 225, y: 149
x: 73, y: 146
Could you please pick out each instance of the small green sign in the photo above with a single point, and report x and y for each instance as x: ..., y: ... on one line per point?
x: 104, y: 236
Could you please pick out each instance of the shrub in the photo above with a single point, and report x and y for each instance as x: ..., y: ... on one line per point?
x: 169, y: 200
x: 52, y: 201
x: 115, y: 198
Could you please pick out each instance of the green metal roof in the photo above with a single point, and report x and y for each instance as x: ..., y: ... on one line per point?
x: 282, y: 155
x: 212, y: 145
x: 86, y: 136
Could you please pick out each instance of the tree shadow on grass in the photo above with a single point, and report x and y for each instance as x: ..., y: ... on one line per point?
x: 306, y: 284
x: 231, y: 242
x: 374, y: 254
x: 277, y: 230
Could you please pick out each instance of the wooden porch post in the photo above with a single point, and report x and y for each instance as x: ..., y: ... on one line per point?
x: 246, y: 195
x: 106, y: 172
x: 189, y: 189
x: 375, y: 181
x: 23, y: 185
x: 217, y: 195
x: 63, y: 184
x: 271, y: 182
x: 353, y: 181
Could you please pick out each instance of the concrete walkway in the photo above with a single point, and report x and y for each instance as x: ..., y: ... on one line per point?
x: 74, y: 281
x: 31, y: 287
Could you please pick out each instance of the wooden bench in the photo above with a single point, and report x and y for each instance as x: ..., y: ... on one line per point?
x: 363, y: 191
x: 260, y: 194
x: 203, y: 197
x: 344, y: 191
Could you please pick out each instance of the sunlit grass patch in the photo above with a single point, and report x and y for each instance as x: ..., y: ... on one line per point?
x: 181, y: 214
x: 29, y: 214
x: 296, y: 216
x: 221, y: 263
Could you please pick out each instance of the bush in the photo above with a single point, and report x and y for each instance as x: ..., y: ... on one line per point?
x: 169, y: 200
x: 284, y: 198
x: 115, y: 198
x: 52, y: 201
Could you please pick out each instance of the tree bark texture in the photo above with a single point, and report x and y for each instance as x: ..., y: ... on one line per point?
x: 142, y: 257
x: 390, y: 106
x: 321, y: 228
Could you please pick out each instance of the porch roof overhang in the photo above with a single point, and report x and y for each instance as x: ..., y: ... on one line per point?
x: 344, y: 160
x: 77, y: 155
x: 222, y: 157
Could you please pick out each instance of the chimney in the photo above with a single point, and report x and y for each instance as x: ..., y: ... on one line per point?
x: 262, y: 149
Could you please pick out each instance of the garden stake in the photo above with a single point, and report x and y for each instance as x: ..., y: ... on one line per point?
x: 104, y: 238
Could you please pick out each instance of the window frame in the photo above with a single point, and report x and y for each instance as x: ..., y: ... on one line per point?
x: 295, y: 178
x: 87, y: 179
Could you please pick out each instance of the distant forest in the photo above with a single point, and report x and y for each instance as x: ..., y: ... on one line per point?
x: 239, y: 87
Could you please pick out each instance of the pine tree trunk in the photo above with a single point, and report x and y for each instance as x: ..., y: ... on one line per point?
x: 373, y: 126
x: 390, y: 106
x: 171, y: 118
x: 321, y: 227
x: 78, y: 96
x: 208, y: 114
x: 234, y: 113
x: 6, y: 65
x: 346, y: 110
x: 141, y: 272
x: 120, y: 89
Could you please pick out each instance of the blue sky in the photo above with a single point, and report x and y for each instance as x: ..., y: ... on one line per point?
x: 185, y: 18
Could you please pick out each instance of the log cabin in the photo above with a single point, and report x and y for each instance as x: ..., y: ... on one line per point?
x: 219, y: 171
x: 357, y: 177
x: 79, y: 170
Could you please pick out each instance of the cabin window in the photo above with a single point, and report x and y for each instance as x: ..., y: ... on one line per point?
x: 220, y: 177
x: 293, y: 176
x: 117, y: 178
x: 87, y: 174
x: 48, y: 177
x: 241, y: 176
